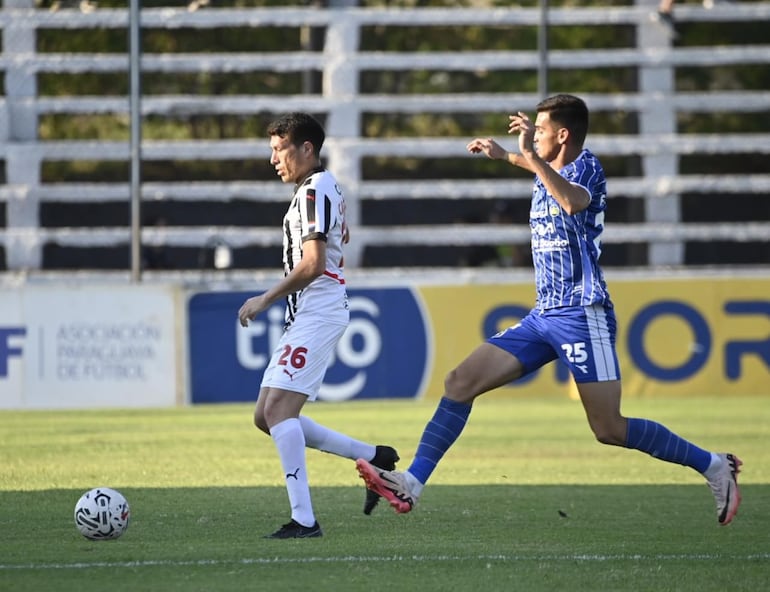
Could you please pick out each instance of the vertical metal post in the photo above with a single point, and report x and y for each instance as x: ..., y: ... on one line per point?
x: 542, y: 48
x: 136, y: 141
x: 657, y: 83
x: 22, y: 163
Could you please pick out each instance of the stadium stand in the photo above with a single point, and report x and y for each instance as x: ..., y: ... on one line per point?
x: 669, y: 216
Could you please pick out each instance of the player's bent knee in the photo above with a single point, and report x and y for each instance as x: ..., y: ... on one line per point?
x: 457, y: 389
x: 450, y: 381
x: 609, y: 437
x: 260, y: 423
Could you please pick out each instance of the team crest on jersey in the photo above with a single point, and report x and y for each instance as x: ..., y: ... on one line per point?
x: 554, y: 210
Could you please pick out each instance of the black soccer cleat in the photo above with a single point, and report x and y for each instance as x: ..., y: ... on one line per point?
x: 386, y: 458
x: 294, y: 530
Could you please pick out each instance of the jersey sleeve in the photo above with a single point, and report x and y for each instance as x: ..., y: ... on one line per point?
x: 587, y: 173
x: 316, y: 215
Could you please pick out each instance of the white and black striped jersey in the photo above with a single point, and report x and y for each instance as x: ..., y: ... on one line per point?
x: 566, y: 249
x: 317, y: 212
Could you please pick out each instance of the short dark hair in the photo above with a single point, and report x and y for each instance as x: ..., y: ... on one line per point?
x: 567, y: 111
x: 299, y: 128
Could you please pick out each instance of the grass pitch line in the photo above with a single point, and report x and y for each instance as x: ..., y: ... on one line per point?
x: 587, y: 558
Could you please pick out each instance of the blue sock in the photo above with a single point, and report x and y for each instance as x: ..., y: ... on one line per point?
x: 440, y: 433
x: 660, y: 442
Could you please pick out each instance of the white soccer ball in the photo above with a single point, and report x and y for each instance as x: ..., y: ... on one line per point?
x: 101, y: 514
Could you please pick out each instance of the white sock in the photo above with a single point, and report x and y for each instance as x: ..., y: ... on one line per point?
x: 290, y: 442
x: 414, y: 485
x: 714, y: 466
x: 322, y: 438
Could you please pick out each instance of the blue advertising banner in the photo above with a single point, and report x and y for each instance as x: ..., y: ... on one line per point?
x: 386, y: 351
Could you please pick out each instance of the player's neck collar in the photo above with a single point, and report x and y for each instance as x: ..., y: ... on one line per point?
x: 310, y: 173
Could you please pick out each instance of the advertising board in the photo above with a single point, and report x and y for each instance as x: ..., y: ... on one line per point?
x: 386, y: 351
x: 675, y: 337
x: 88, y: 347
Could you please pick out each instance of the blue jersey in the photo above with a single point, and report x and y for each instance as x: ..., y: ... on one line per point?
x: 566, y: 249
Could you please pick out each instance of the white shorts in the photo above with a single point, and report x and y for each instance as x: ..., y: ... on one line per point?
x: 303, y: 354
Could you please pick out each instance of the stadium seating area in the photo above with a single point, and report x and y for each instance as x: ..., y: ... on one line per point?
x: 665, y: 210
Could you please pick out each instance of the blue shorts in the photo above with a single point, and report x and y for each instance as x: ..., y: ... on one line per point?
x: 582, y: 337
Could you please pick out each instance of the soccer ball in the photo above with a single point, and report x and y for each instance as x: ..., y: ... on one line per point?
x: 101, y: 514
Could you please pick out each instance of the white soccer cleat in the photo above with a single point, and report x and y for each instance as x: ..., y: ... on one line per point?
x: 385, y: 458
x: 391, y: 485
x: 725, y: 488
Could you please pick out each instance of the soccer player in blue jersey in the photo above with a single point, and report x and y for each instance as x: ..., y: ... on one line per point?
x: 573, y: 318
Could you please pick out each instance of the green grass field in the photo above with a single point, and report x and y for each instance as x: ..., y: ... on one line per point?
x: 526, y: 500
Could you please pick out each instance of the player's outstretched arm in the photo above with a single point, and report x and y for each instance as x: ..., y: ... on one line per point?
x: 494, y: 151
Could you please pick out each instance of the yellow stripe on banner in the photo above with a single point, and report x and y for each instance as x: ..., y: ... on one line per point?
x: 675, y: 337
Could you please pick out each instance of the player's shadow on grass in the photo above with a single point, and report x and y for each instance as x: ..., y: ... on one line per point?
x: 482, y: 537
x: 36, y: 523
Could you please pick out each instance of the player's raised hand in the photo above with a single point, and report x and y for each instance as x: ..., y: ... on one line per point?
x: 488, y: 146
x: 521, y: 124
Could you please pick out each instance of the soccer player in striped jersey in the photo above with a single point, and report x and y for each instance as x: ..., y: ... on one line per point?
x: 573, y: 318
x: 317, y: 314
